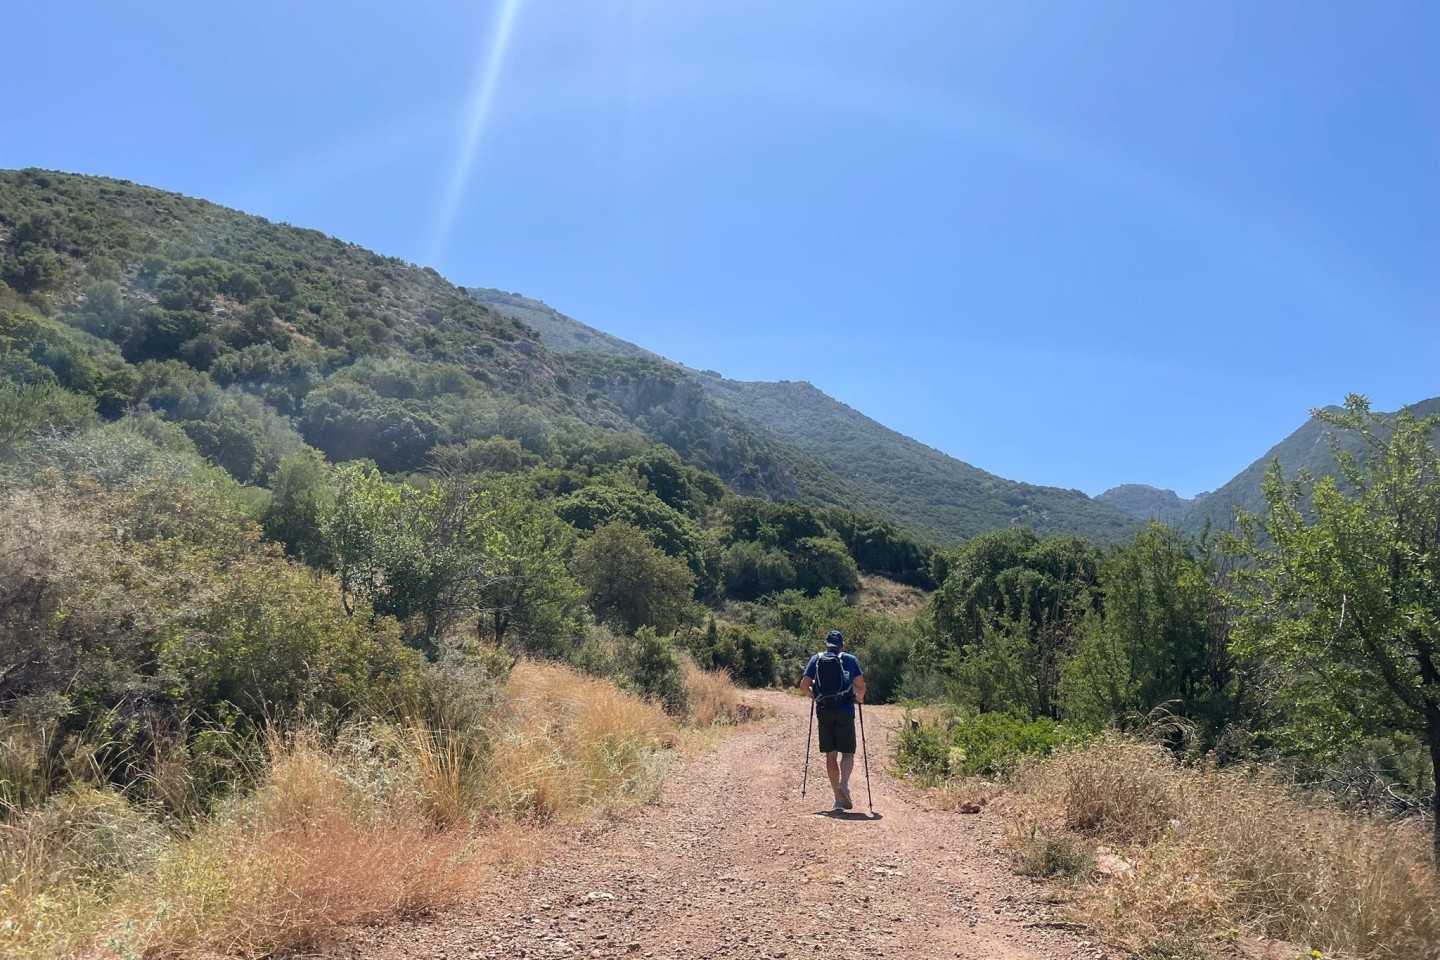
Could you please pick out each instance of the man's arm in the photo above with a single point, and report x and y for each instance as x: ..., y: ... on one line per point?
x: 860, y: 689
x: 806, y: 683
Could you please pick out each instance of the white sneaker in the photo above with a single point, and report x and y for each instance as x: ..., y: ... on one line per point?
x: 842, y: 797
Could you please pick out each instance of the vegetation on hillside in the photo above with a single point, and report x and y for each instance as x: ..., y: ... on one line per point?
x: 846, y: 457
x: 289, y: 531
x: 1145, y: 502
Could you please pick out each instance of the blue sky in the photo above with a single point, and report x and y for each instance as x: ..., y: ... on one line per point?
x: 1072, y: 243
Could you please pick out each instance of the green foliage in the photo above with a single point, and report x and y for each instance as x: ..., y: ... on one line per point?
x: 33, y: 269
x: 884, y: 646
x: 137, y: 616
x: 29, y: 408
x: 809, y: 617
x: 36, y: 349
x: 1163, y: 638
x: 776, y: 547
x: 274, y: 639
x: 629, y: 582
x: 350, y: 421
x: 1007, y: 615
x: 492, y: 455
x: 677, y: 535
x: 455, y: 551
x: 750, y: 654
x: 1344, y: 600
x: 300, y: 499
x: 528, y: 600
x: 656, y: 671
x: 750, y: 570
x: 879, y: 547
x: 822, y: 564
x: 991, y: 745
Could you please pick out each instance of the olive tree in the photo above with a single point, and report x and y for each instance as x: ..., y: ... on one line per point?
x: 1344, y: 610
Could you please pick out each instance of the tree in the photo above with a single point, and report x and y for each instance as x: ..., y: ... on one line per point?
x: 1343, y: 612
x: 1009, y: 613
x: 631, y: 583
x: 822, y: 562
x: 300, y: 498
x: 527, y: 597
x: 357, y: 528
x: 34, y: 269
x: 1157, y: 641
x: 750, y: 570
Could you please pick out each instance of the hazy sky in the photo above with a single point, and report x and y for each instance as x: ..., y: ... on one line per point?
x: 1074, y: 243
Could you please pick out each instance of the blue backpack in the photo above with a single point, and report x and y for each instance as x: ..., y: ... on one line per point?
x: 834, y: 687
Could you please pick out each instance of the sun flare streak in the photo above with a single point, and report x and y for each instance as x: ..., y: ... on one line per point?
x: 477, y: 112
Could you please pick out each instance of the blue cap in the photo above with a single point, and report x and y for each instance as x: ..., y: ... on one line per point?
x: 833, y: 639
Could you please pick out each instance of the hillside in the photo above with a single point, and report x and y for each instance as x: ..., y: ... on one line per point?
x: 917, y: 486
x: 885, y: 472
x: 1145, y: 502
x: 561, y: 334
x: 255, y: 335
x: 1308, y: 448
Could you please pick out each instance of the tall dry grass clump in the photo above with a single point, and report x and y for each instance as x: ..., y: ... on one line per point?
x: 59, y: 863
x: 327, y: 841
x: 564, y: 743
x: 1216, y: 851
x: 712, y: 697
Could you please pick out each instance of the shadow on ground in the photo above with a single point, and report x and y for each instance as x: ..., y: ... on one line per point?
x: 847, y: 815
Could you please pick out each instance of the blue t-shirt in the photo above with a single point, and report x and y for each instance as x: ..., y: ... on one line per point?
x: 847, y: 663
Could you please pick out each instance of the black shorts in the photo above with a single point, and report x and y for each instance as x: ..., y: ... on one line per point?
x: 837, y: 729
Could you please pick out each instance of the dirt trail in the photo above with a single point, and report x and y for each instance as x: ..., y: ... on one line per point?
x: 734, y: 863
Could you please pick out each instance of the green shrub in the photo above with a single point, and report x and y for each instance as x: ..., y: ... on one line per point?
x: 656, y: 671
x: 749, y: 654
x: 989, y: 745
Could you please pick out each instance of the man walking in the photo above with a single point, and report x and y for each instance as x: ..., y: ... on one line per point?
x: 836, y: 683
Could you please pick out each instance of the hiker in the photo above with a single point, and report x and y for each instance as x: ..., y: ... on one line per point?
x: 836, y: 683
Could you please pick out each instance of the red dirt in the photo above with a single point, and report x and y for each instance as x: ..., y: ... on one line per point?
x: 733, y: 863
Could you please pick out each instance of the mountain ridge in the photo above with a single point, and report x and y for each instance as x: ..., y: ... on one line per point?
x: 893, y: 475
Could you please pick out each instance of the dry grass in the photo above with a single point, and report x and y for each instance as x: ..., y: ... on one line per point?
x: 56, y: 862
x: 964, y: 794
x: 386, y: 821
x: 317, y: 848
x: 1039, y: 851
x: 565, y: 743
x: 885, y: 596
x: 711, y: 696
x: 1218, y: 852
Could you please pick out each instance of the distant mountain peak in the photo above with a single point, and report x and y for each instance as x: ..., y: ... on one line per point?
x: 1145, y: 502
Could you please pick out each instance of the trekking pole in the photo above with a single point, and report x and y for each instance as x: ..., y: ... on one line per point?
x: 805, y: 777
x: 865, y: 752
